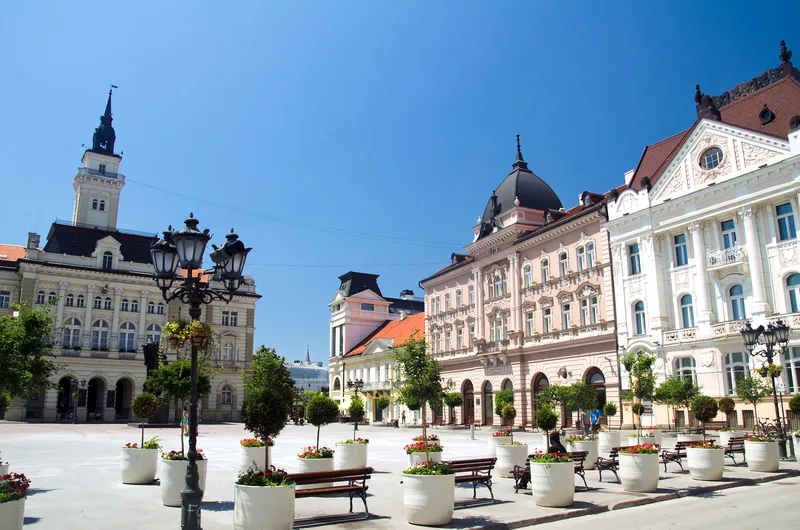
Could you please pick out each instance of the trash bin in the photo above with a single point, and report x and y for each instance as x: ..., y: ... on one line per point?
x: 396, y: 424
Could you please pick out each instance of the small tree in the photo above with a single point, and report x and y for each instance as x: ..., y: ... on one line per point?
x: 453, y: 400
x: 667, y: 393
x: 610, y: 410
x: 25, y: 370
x: 728, y: 406
x: 420, y: 380
x: 145, y: 406
x: 356, y: 411
x: 270, y: 396
x: 643, y: 382
x: 581, y: 397
x: 501, y: 399
x: 638, y: 409
x: 704, y: 408
x: 508, y: 414
x: 752, y: 390
x: 321, y: 410
x: 794, y: 404
x: 546, y: 419
x: 382, y: 402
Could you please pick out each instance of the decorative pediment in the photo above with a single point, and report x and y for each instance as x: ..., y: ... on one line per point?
x: 543, y: 255
x: 583, y: 239
x: 755, y: 155
x: 627, y: 202
x: 586, y: 290
x: 529, y: 306
x: 564, y: 297
x: 379, y: 346
x: 368, y: 295
x: 546, y: 302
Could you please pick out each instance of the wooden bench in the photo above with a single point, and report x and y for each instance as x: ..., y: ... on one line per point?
x: 522, y: 474
x: 735, y: 445
x: 355, y: 484
x: 676, y: 456
x: 476, y: 471
x: 609, y: 464
x: 716, y: 425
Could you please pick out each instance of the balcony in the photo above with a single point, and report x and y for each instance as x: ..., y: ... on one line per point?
x: 731, y: 328
x: 97, y: 173
x: 678, y: 335
x: 718, y: 259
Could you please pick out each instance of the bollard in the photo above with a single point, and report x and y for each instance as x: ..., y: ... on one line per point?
x: 471, y: 431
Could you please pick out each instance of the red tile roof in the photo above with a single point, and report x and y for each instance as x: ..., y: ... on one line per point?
x: 11, y: 252
x: 399, y: 330
x: 782, y: 97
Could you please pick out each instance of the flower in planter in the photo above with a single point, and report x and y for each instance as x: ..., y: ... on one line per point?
x: 509, y: 444
x: 498, y: 434
x: 352, y: 441
x: 256, y: 442
x: 763, y: 439
x: 641, y: 449
x: 550, y: 458
x: 649, y: 428
x: 430, y: 468
x: 152, y: 443
x: 704, y: 445
x: 431, y: 438
x: 313, y: 452
x: 177, y: 455
x: 271, y: 477
x: 727, y: 430
x: 581, y: 438
x: 13, y: 486
x: 643, y: 435
x: 421, y: 447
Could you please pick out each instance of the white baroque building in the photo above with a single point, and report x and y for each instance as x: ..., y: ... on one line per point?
x: 704, y: 238
x: 108, y: 306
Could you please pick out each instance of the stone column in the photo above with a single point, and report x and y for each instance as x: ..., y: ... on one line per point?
x: 478, y: 276
x: 142, y: 332
x: 513, y: 266
x: 114, y: 343
x: 754, y: 261
x: 704, y: 313
x: 62, y: 290
x: 650, y: 247
x: 87, y: 319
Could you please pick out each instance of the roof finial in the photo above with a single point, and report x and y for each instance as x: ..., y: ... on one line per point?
x: 786, y: 55
x: 519, y: 162
x: 698, y: 94
x: 308, y: 356
x: 104, y: 136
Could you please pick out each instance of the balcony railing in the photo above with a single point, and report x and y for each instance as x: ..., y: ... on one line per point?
x: 725, y: 257
x: 677, y: 335
x: 98, y: 173
x: 729, y: 328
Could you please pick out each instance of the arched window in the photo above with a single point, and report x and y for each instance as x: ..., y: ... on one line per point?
x: 51, y: 296
x: 227, y: 351
x: 590, y: 257
x: 687, y: 311
x: 791, y: 370
x: 736, y: 368
x: 227, y: 395
x: 94, y: 204
x: 40, y: 297
x: 107, y: 304
x: 447, y: 301
x: 160, y: 308
x: 98, y: 302
x: 134, y: 306
x: 545, y: 270
x: 488, y: 403
x: 72, y: 333
x: 508, y: 385
x: 497, y: 288
x: 102, y: 206
x: 153, y: 333
x: 581, y: 253
x: 459, y: 300
x: 737, y: 302
x: 124, y: 305
x: 527, y: 275
x: 563, y: 264
x: 100, y: 335
x: 596, y: 379
x: 639, y: 320
x: 151, y: 307
x: 540, y: 382
x: 70, y: 300
x: 471, y: 294
x: 685, y: 368
x: 793, y: 284
x: 81, y: 301
x: 108, y: 260
x: 127, y: 337
x: 337, y: 384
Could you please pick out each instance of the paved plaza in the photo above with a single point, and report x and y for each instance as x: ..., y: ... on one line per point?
x: 76, y: 479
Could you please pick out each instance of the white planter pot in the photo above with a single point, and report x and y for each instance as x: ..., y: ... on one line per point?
x: 263, y: 507
x: 250, y: 455
x: 553, y: 485
x: 706, y: 464
x: 725, y: 437
x: 590, y: 446
x: 418, y: 458
x: 428, y: 500
x: 650, y: 440
x: 494, y: 441
x: 796, y: 442
x: 509, y: 456
x: 350, y: 456
x: 690, y: 438
x: 12, y: 514
x: 762, y: 456
x: 173, y: 479
x: 139, y: 466
x: 638, y: 473
x: 606, y: 441
x: 656, y: 436
x: 4, y: 469
x: 312, y: 465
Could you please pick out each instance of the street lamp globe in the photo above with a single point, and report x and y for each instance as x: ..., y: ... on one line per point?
x: 191, y: 244
x: 769, y: 336
x: 782, y: 333
x: 165, y: 258
x: 750, y: 336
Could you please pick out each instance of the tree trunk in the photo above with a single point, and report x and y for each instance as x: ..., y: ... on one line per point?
x: 318, y: 427
x: 425, y: 434
x: 142, y: 446
x: 266, y: 456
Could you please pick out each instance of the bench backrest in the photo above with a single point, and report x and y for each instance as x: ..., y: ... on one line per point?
x: 736, y: 443
x: 614, y: 453
x: 473, y: 464
x: 339, y: 475
x: 579, y: 457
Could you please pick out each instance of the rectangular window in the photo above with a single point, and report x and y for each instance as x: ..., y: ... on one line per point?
x: 447, y: 301
x: 341, y: 340
x: 566, y: 316
x: 471, y: 294
x: 547, y: 320
x: 234, y: 318
x: 636, y: 265
x: 563, y: 265
x: 5, y: 299
x: 447, y: 340
x: 681, y: 251
x: 528, y: 276
x: 226, y: 318
x: 594, y: 302
x: 102, y: 169
x: 529, y: 323
x: 545, y: 271
x: 385, y: 372
x: 585, y: 313
x: 471, y: 335
x: 728, y: 234
x: 368, y: 307
x: 786, y: 228
x: 459, y: 338
x: 581, y: 252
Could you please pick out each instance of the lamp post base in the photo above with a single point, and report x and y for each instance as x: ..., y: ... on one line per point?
x: 191, y: 505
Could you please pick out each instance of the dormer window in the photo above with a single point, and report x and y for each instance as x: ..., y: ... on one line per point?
x: 108, y: 260
x: 102, y: 206
x: 102, y: 169
x: 367, y: 307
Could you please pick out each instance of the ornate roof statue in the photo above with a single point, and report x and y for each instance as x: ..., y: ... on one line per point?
x: 104, y: 136
x: 786, y: 55
x: 706, y: 108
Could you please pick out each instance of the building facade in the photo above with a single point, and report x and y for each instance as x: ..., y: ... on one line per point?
x: 529, y: 305
x: 704, y: 239
x: 365, y: 326
x: 106, y: 304
x: 309, y: 376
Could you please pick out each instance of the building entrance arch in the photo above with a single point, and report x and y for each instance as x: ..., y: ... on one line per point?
x: 488, y: 403
x: 468, y: 405
x: 122, y: 398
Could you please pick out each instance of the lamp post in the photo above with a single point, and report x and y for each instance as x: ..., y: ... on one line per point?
x: 73, y: 387
x: 769, y: 337
x: 185, y: 248
x: 355, y: 387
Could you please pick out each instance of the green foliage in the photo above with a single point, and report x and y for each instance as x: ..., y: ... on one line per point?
x: 550, y: 458
x: 509, y: 412
x: 752, y: 390
x: 145, y: 406
x: 773, y: 370
x: 581, y: 396
x: 5, y: 402
x: 356, y: 408
x: 152, y: 443
x: 640, y: 367
x: 638, y: 409
x: 453, y: 399
x: 794, y: 404
x: 271, y: 477
x: 728, y: 405
x: 174, y: 380
x: 269, y: 395
x: 677, y: 392
x: 626, y: 395
x: 430, y: 468
x: 321, y: 410
x: 501, y: 399
x: 704, y: 408
x: 610, y: 409
x: 546, y: 417
x: 24, y: 345
x: 553, y: 395
x: 382, y: 402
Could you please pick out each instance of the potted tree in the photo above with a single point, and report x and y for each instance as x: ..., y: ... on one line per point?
x: 352, y: 453
x: 762, y: 454
x: 752, y: 390
x: 501, y: 399
x: 546, y: 420
x: 508, y: 414
x: 253, y: 454
x: 140, y: 463
x: 552, y: 480
x: 638, y: 468
x: 608, y: 439
x: 639, y: 366
x: 585, y: 442
x: 321, y: 410
x: 420, y: 452
x: 428, y: 487
x: 382, y: 403
x: 706, y: 460
x: 453, y: 400
x: 264, y: 496
x: 13, y: 492
x: 728, y: 406
x: 173, y: 475
x: 497, y: 438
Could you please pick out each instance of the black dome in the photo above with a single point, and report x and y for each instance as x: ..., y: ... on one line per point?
x: 522, y: 184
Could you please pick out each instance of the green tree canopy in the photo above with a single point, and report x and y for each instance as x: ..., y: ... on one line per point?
x: 356, y: 412
x: 173, y: 380
x: 752, y: 390
x: 382, y: 402
x: 677, y: 392
x: 728, y: 406
x: 581, y: 396
x: 501, y: 399
x: 453, y: 399
x: 321, y: 410
x: 794, y: 404
x: 145, y: 406
x: 25, y: 370
x: 704, y: 408
x: 546, y: 418
x: 610, y: 409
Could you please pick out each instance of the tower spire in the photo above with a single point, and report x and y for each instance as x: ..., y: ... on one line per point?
x: 104, y: 136
x: 519, y: 162
x: 308, y: 356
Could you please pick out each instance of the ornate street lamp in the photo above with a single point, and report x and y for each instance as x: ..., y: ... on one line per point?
x: 769, y: 338
x: 355, y: 387
x: 186, y: 249
x: 73, y: 386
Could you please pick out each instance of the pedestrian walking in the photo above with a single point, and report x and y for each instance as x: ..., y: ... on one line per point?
x: 403, y: 417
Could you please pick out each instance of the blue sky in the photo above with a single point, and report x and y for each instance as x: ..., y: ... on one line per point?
x: 352, y: 135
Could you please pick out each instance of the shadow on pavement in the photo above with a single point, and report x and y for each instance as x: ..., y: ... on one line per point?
x: 218, y: 506
x: 311, y: 522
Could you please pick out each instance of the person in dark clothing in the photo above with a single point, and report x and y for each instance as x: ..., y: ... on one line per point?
x: 555, y: 444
